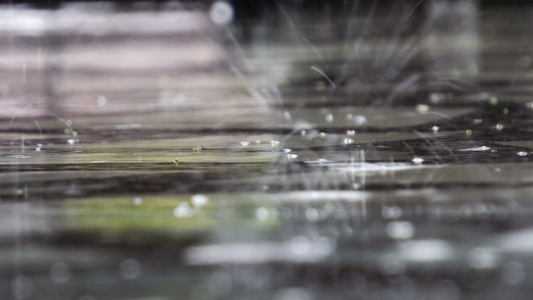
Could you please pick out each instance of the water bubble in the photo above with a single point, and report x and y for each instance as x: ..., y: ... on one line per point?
x: 287, y: 150
x: 74, y: 133
x: 350, y: 132
x: 221, y: 13
x: 22, y: 287
x: 59, y: 272
x: 130, y: 269
x: 68, y: 130
x: 101, y: 100
x: 71, y: 141
x: 199, y: 200
x: 499, y: 127
x: 417, y: 160
x: 513, y: 273
x: 287, y: 115
x: 435, y: 129
x: 521, y: 153
x: 274, y: 143
x: 348, y: 141
x: 68, y: 123
x: 329, y: 118
x: 400, y: 230
x: 245, y: 143
x: 183, y: 210
x: 356, y: 186
x: 138, y: 200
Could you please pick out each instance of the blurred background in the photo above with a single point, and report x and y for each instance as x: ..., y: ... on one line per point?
x: 288, y: 150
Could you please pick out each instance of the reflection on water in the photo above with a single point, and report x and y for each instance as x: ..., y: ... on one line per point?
x: 295, y: 151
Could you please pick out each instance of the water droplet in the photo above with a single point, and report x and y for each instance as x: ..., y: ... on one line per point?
x: 130, y: 269
x: 356, y: 186
x: 521, y: 153
x: 274, y: 143
x: 349, y: 116
x: 199, y: 200
x: 348, y: 141
x: 435, y: 129
x: 59, y: 272
x: 303, y: 132
x: 391, y: 212
x: 417, y: 160
x: 468, y: 132
x: 71, y: 141
x: 287, y: 115
x: 360, y: 120
x: 183, y: 210
x: 292, y: 156
x: 477, y: 121
x: 422, y: 108
x: 101, y: 100
x: 329, y: 118
x: 323, y: 134
x: 499, y: 127
x: 505, y: 111
x: 493, y: 100
x: 74, y: 133
x: 400, y: 230
x: 350, y: 132
x: 221, y: 13
x: 68, y: 123
x: 287, y: 150
x: 138, y: 200
x: 38, y: 149
x: 483, y: 258
x: 22, y: 287
x: 261, y: 213
x: 245, y: 143
x: 311, y: 214
x: 197, y: 148
x: 176, y: 161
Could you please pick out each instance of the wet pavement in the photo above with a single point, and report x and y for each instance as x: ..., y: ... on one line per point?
x: 370, y: 151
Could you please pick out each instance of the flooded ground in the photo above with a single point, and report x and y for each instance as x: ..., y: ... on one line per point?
x: 195, y: 151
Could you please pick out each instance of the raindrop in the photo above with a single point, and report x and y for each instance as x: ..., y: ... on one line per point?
x: 422, y: 108
x: 138, y: 200
x: 417, y: 160
x: 221, y: 13
x: 59, y: 272
x: 400, y: 230
x: 261, y: 213
x: 292, y: 156
x: 274, y: 143
x: 483, y: 258
x: 130, y: 269
x: 311, y: 214
x: 391, y: 212
x: 101, y: 100
x: 199, y: 200
x: 183, y: 210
